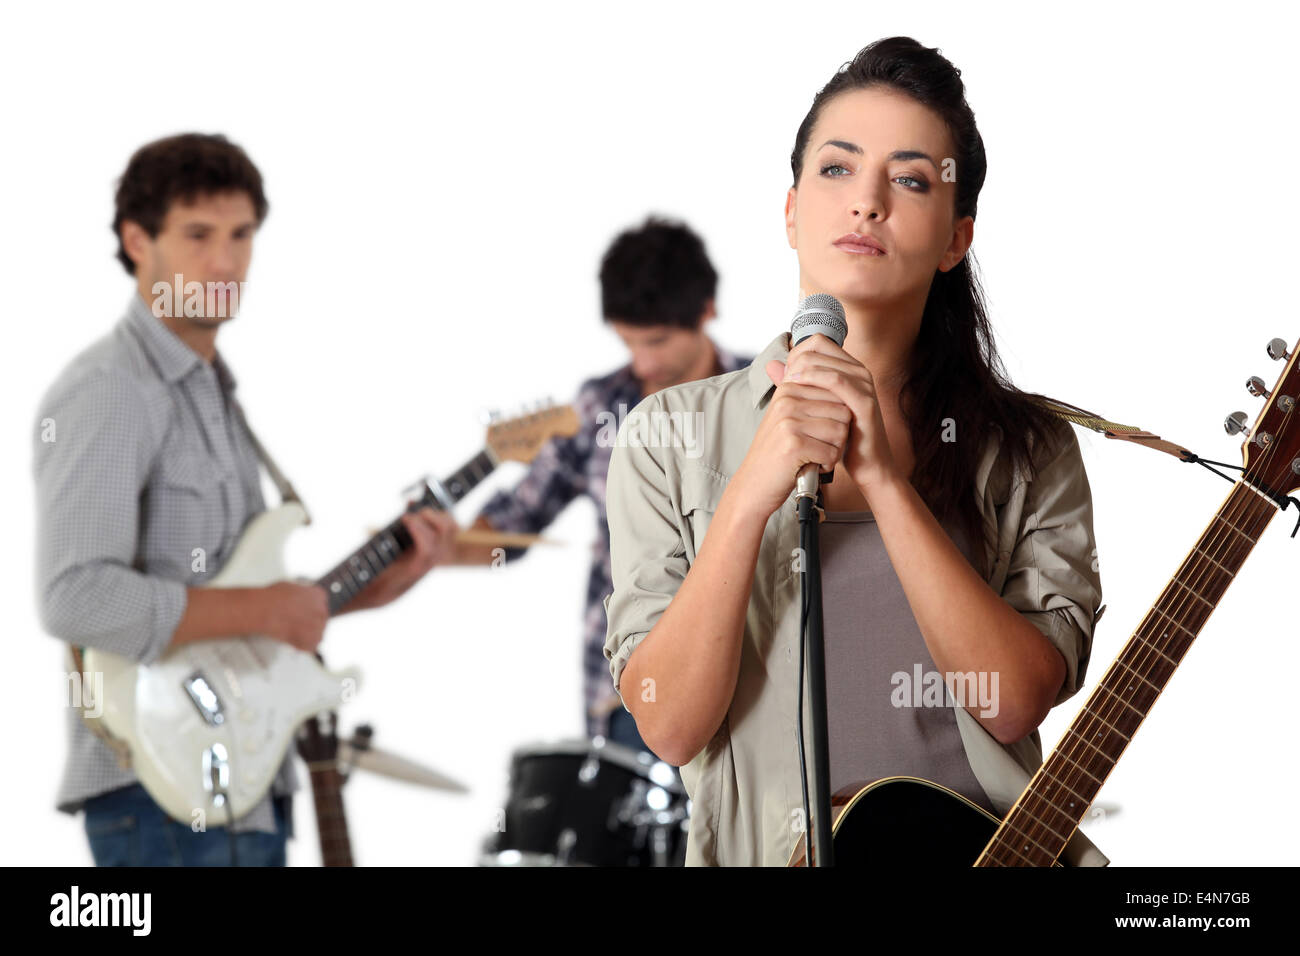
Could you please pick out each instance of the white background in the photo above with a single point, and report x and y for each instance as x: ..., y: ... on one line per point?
x: 443, y: 180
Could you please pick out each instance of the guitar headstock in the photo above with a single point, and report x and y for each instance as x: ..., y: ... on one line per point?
x: 318, y: 740
x: 521, y: 437
x: 1271, y: 452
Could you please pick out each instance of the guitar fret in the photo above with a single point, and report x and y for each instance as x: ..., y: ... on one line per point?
x: 351, y: 581
x: 1175, y: 624
x: 1236, y: 529
x: 1103, y: 720
x: 1064, y: 786
x: 1120, y: 699
x: 1066, y: 817
x: 1137, y: 674
x: 1070, y: 730
x: 1193, y: 593
x: 1041, y: 823
x: 1007, y: 845
x: 1086, y: 771
x: 1215, y: 563
x: 376, y: 565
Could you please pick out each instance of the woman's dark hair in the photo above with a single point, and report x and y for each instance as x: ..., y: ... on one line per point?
x: 181, y: 167
x: 657, y: 274
x: 956, y: 372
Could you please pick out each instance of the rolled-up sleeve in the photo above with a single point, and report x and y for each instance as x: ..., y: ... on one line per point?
x: 1053, y: 578
x: 647, y: 554
x: 91, y: 462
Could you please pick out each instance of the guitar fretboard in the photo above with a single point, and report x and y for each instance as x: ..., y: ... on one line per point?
x: 331, y: 823
x: 1042, y: 821
x: 350, y: 577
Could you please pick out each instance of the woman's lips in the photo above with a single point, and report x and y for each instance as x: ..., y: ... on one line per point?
x: 858, y: 248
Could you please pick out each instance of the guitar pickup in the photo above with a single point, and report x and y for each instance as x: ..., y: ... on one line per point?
x: 205, y: 699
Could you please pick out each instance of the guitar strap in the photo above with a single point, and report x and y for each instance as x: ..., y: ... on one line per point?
x: 1079, y: 416
x: 282, y: 484
x: 119, y: 748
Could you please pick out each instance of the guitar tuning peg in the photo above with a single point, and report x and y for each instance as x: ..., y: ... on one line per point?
x: 1277, y: 350
x: 1255, y: 385
x: 1235, y: 423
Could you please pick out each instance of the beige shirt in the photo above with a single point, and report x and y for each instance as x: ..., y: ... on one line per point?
x: 674, y: 456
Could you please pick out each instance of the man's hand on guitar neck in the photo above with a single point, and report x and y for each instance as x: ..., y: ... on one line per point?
x: 297, y: 613
x: 433, y: 542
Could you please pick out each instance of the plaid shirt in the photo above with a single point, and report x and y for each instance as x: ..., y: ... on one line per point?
x: 564, y: 469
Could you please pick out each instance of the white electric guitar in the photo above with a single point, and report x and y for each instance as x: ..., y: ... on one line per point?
x: 206, y: 726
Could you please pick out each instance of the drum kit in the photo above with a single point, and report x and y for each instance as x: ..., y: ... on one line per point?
x: 590, y: 803
x: 578, y: 802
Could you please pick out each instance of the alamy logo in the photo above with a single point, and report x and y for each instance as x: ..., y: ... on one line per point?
x: 196, y: 300
x: 102, y: 909
x: 650, y: 430
x: 932, y: 689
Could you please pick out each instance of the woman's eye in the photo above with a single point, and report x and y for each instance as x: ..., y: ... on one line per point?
x: 830, y: 166
x: 920, y: 186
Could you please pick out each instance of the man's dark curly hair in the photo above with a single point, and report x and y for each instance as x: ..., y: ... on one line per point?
x: 657, y: 274
x: 182, y: 167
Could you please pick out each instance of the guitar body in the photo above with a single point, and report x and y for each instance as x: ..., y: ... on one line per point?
x: 227, y: 707
x: 905, y: 823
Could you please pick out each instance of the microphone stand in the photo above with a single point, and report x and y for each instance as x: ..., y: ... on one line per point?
x: 808, y: 503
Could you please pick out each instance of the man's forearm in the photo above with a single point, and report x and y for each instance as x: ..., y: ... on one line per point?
x: 212, y: 613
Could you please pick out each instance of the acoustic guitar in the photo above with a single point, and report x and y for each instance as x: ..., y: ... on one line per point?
x: 900, y: 819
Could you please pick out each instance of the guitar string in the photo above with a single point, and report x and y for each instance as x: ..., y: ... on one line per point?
x: 1144, y: 655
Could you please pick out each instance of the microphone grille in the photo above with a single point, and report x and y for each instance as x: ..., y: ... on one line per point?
x: 819, y: 313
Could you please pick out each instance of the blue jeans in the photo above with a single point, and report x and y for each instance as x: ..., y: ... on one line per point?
x: 126, y: 828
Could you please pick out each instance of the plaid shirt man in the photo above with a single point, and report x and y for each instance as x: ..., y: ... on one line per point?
x: 564, y: 469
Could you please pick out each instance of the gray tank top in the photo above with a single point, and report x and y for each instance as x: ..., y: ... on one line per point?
x: 881, y: 722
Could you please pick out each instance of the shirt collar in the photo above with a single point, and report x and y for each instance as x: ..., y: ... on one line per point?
x: 173, y: 357
x: 759, y: 384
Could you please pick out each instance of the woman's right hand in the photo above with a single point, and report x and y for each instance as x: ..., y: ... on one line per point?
x: 802, y: 424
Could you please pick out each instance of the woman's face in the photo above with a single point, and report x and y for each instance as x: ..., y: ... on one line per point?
x: 875, y: 166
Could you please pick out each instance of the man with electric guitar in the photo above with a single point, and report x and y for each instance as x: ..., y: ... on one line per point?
x: 147, y: 476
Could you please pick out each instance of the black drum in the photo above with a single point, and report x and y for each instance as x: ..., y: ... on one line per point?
x: 590, y: 803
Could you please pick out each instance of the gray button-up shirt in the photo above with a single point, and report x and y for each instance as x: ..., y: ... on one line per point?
x: 143, y: 474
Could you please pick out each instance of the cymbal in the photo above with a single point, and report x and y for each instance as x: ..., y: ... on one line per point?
x: 388, y: 764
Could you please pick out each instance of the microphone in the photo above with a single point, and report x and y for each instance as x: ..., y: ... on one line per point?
x: 822, y: 314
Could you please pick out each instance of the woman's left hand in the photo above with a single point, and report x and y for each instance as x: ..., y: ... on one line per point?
x: 867, y: 457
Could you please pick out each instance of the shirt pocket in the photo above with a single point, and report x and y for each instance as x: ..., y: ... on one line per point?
x: 189, y: 515
x: 701, y: 493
